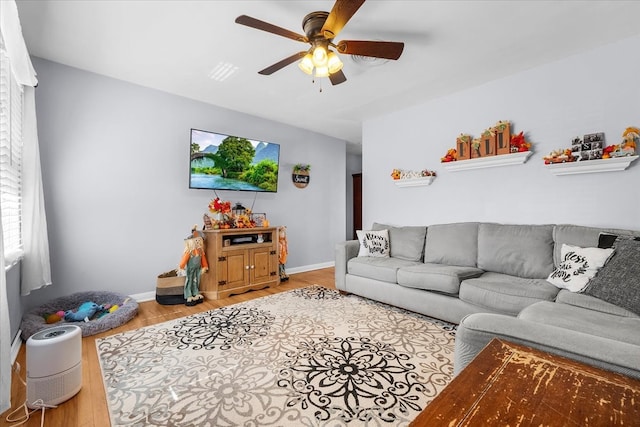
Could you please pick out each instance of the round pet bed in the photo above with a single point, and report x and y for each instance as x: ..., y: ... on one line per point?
x: 33, y: 321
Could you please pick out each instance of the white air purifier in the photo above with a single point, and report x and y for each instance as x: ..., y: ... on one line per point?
x: 54, y: 365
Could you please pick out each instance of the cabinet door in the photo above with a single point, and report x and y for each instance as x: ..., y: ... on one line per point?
x: 235, y: 268
x: 262, y: 265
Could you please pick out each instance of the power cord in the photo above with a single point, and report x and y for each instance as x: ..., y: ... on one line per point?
x: 38, y: 405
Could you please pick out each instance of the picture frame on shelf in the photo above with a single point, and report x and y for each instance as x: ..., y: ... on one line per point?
x: 590, y: 147
x: 259, y: 219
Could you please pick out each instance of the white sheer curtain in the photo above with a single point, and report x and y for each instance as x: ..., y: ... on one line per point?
x: 5, y: 335
x: 36, y: 271
x: 36, y: 267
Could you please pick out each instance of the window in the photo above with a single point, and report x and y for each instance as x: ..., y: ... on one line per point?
x: 11, y: 106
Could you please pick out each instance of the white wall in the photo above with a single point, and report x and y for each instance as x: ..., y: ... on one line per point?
x: 115, y: 159
x: 597, y: 91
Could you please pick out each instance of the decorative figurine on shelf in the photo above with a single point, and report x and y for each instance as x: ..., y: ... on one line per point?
x: 519, y: 143
x: 630, y: 141
x: 195, y: 263
x: 284, y: 251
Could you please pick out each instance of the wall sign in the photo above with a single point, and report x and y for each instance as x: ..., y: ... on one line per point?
x: 300, y: 175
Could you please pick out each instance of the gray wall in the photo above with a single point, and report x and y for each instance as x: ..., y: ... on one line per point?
x: 115, y: 161
x: 596, y: 91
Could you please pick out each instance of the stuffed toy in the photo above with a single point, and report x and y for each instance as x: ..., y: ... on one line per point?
x: 54, y: 317
x: 85, y: 312
x: 284, y: 252
x: 195, y: 263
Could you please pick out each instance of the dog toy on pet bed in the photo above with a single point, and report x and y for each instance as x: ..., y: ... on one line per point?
x: 85, y: 312
x: 54, y: 317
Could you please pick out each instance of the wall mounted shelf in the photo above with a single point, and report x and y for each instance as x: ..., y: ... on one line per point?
x: 488, y: 162
x: 591, y: 166
x: 414, y: 182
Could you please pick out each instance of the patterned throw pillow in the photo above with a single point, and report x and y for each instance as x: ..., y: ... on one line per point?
x: 619, y: 281
x: 374, y: 243
x: 577, y: 266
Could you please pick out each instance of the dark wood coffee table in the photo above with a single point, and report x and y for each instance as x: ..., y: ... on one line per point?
x: 514, y: 385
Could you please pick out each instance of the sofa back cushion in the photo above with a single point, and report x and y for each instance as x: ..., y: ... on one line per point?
x: 406, y: 242
x: 577, y: 235
x: 452, y: 244
x: 518, y: 250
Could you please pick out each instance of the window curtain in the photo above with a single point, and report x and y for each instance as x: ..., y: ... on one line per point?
x: 36, y: 271
x: 36, y: 266
x: 5, y: 335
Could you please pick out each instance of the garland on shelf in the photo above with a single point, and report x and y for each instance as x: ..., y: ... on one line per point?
x: 398, y: 174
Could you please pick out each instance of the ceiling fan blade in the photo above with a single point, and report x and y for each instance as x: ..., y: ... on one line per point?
x: 340, y: 14
x: 387, y: 50
x: 281, y: 64
x: 337, y: 78
x: 270, y: 28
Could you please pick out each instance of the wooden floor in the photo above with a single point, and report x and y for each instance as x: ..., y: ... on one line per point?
x: 89, y: 407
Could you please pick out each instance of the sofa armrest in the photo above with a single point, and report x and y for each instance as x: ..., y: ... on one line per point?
x: 344, y: 252
x: 477, y: 330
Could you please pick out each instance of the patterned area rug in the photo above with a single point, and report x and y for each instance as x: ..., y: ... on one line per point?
x: 307, y: 357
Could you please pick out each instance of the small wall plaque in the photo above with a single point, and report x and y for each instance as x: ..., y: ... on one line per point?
x: 301, y: 175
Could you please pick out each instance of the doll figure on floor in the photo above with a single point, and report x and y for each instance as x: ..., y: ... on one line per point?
x: 195, y: 263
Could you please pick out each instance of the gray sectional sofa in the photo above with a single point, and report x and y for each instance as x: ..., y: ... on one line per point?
x: 491, y: 279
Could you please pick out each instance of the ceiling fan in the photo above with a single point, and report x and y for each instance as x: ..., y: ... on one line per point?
x: 320, y: 29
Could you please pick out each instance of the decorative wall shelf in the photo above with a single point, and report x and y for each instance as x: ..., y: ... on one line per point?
x: 591, y: 166
x: 414, y: 182
x: 488, y: 162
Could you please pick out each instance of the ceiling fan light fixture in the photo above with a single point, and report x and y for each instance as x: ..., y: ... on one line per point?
x: 320, y: 56
x: 306, y: 64
x: 334, y: 63
x: 322, y: 71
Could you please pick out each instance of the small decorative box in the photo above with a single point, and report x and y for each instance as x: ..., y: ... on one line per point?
x: 503, y: 137
x: 463, y: 147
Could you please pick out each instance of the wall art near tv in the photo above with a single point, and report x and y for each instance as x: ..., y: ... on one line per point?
x: 226, y: 162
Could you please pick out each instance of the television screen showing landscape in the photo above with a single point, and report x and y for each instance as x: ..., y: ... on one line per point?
x: 226, y: 162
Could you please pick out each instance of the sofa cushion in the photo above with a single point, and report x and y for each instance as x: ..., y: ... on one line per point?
x: 452, y: 244
x: 406, y: 242
x: 577, y: 235
x: 504, y: 293
x: 578, y: 265
x: 591, y: 303
x: 384, y: 269
x: 580, y: 319
x: 618, y: 282
x: 373, y: 243
x: 436, y: 277
x: 519, y: 250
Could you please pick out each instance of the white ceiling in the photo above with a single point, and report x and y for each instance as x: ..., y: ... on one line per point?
x: 449, y: 45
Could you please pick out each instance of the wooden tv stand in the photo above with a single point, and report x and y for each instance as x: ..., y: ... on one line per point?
x: 239, y: 261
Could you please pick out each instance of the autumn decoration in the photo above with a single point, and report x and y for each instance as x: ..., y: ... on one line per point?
x: 398, y: 174
x: 495, y: 140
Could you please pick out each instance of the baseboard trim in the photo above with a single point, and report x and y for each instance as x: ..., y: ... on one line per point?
x: 311, y: 267
x: 15, y: 346
x: 144, y: 296
x: 151, y: 296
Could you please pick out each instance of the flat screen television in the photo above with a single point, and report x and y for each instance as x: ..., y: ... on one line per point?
x: 226, y: 162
